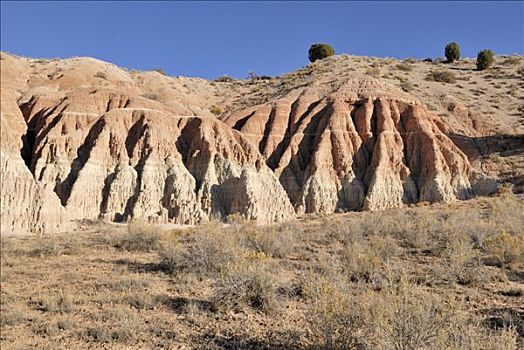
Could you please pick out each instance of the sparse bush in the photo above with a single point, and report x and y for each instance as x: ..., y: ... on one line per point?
x: 442, y: 76
x: 452, y: 52
x: 252, y: 76
x: 11, y: 317
x: 140, y: 237
x: 46, y: 247
x: 250, y: 285
x: 216, y: 110
x: 130, y: 284
x: 359, y: 262
x: 485, y: 59
x: 374, y: 72
x: 506, y: 249
x: 65, y: 324
x: 114, y: 325
x: 277, y: 241
x: 338, y: 321
x: 406, y: 86
x: 224, y: 79
x: 60, y: 303
x: 101, y: 75
x: 408, y: 317
x: 207, y: 253
x: 320, y: 51
x: 141, y: 300
x: 405, y: 66
x: 465, y: 334
x: 461, y: 261
x: 512, y: 60
x: 160, y: 70
x: 151, y: 96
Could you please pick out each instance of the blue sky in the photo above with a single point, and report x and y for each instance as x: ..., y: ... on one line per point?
x: 209, y: 39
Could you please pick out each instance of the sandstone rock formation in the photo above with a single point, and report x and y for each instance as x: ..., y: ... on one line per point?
x: 81, y: 144
x: 360, y: 147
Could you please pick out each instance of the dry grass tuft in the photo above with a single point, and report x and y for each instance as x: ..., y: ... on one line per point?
x: 250, y: 285
x: 443, y: 76
x: 140, y: 237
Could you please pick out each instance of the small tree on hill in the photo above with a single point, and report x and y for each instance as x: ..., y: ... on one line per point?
x: 485, y: 59
x: 320, y: 51
x: 452, y: 52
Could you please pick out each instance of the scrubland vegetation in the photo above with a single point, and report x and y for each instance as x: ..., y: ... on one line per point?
x: 445, y: 276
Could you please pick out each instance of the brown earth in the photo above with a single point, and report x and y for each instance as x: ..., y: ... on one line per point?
x: 443, y: 276
x: 84, y: 139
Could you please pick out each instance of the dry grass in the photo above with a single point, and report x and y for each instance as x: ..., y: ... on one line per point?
x: 141, y: 237
x: 442, y: 76
x: 445, y: 276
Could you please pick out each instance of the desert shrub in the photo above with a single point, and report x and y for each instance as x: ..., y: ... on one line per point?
x: 512, y: 60
x: 65, y: 324
x: 45, y: 328
x: 11, y: 317
x: 409, y: 317
x: 461, y: 261
x: 248, y: 285
x: 60, y: 303
x: 513, y: 90
x: 101, y: 75
x: 130, y: 284
x: 114, y: 325
x: 216, y: 110
x: 337, y: 320
x: 406, y: 86
x: 141, y: 300
x: 384, y: 246
x: 151, y: 96
x: 506, y: 249
x: 140, y: 237
x: 252, y: 76
x: 274, y: 241
x: 485, y: 59
x: 405, y: 66
x: 160, y: 70
x: 320, y: 51
x: 224, y: 79
x: 45, y: 247
x: 207, y: 253
x: 452, y: 52
x: 443, y: 76
x: 465, y: 334
x: 374, y: 72
x: 359, y: 262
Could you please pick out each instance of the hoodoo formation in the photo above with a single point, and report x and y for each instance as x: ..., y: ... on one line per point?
x: 84, y: 139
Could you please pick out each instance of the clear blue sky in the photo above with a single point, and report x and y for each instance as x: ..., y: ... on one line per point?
x: 208, y: 39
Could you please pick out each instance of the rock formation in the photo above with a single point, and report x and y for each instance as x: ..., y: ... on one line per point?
x: 360, y: 147
x: 76, y: 147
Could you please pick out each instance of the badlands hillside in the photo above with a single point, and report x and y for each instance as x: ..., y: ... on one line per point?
x: 85, y: 139
x: 393, y: 147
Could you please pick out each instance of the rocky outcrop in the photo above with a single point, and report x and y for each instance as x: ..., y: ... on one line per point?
x: 78, y: 146
x: 27, y: 206
x: 362, y: 146
x: 138, y: 162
